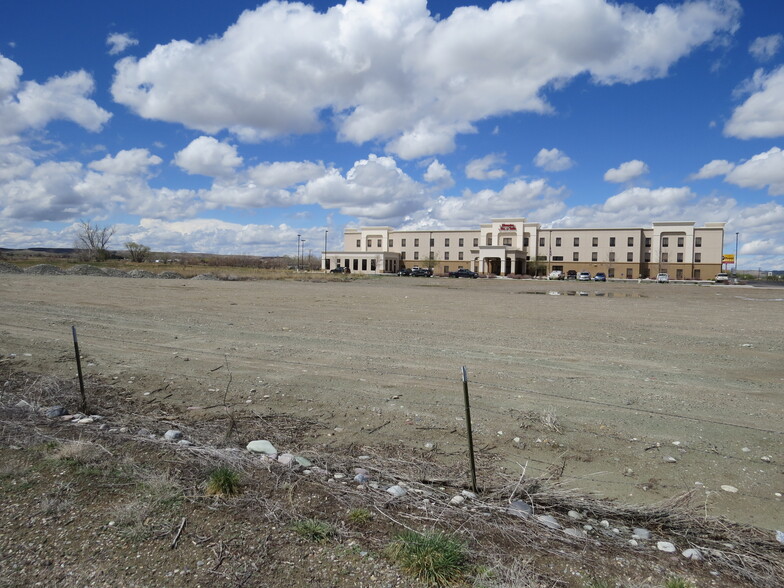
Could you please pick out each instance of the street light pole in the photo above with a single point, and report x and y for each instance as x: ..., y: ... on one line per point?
x: 302, y: 255
x: 298, y: 236
x: 736, y: 256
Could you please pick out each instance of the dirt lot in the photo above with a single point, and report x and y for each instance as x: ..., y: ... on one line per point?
x: 596, y: 389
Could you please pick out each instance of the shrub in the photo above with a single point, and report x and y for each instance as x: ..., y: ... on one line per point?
x: 433, y: 557
x: 314, y: 529
x: 360, y: 516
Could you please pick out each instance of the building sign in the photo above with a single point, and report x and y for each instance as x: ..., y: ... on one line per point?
x: 728, y: 258
x: 508, y: 228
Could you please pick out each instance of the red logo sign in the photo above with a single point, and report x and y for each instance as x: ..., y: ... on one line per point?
x: 508, y: 228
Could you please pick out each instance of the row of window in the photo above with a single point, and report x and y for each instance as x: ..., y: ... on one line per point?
x: 630, y: 257
x: 507, y: 242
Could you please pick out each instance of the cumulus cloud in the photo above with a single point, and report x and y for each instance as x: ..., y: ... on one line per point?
x: 553, y: 160
x: 626, y: 172
x: 762, y: 114
x: 438, y: 174
x: 485, y: 168
x: 208, y: 157
x: 717, y: 167
x: 30, y: 105
x: 119, y: 42
x: 763, y: 48
x: 386, y: 70
x: 127, y: 163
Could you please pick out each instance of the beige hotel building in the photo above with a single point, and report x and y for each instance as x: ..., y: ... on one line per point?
x: 512, y: 246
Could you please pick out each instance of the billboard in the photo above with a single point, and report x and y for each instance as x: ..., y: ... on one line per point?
x: 728, y: 258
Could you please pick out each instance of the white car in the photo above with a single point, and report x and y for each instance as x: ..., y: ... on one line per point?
x: 722, y: 279
x: 556, y: 275
x: 584, y: 276
x: 663, y: 278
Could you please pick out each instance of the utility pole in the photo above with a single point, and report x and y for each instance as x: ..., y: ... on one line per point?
x: 298, y: 236
x: 736, y: 256
x: 325, y: 250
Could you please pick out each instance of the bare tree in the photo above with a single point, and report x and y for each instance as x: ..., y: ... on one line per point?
x: 92, y: 241
x: 137, y: 252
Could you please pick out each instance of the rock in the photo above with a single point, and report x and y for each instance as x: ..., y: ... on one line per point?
x: 302, y: 461
x: 693, y: 554
x: 86, y: 421
x: 23, y: 404
x: 640, y: 533
x: 548, y: 521
x: 339, y: 476
x: 396, y: 491
x: 633, y: 542
x: 361, y: 479
x: 766, y: 458
x: 669, y: 459
x: 172, y: 435
x: 362, y: 471
x: 573, y: 514
x: 184, y: 443
x: 780, y: 536
x: 572, y: 532
x: 728, y: 488
x: 665, y: 546
x: 286, y: 458
x: 55, y: 412
x: 520, y: 508
x: 143, y: 433
x: 457, y: 500
x: 468, y: 494
x: 262, y: 446
x: 605, y: 524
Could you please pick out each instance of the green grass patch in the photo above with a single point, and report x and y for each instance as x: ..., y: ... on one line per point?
x: 314, y: 529
x: 360, y: 516
x: 433, y: 557
x: 223, y: 482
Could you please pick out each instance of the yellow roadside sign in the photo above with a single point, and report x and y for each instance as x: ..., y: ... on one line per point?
x: 728, y: 258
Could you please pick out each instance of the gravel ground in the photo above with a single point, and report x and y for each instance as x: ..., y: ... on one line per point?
x: 633, y: 391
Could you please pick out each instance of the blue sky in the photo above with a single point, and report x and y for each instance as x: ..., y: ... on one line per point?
x: 233, y: 127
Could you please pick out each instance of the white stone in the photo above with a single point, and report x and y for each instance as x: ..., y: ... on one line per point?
x: 669, y: 459
x: 172, y: 435
x: 665, y: 546
x: 396, y: 491
x: 456, y: 500
x: 574, y: 532
x: 728, y: 488
x: 548, y: 521
x: 693, y: 554
x: 640, y: 533
x: 286, y: 458
x: 468, y: 494
x: 573, y: 514
x: 262, y: 446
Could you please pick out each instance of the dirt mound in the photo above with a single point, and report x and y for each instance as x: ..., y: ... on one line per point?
x: 170, y: 276
x: 113, y: 272
x: 85, y: 270
x: 9, y: 268
x: 206, y: 277
x: 140, y: 274
x: 44, y: 269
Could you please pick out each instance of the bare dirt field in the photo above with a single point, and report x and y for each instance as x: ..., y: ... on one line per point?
x: 633, y: 391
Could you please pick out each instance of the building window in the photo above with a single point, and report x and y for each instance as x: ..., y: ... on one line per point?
x: 489, y: 239
x: 647, y: 241
x: 359, y: 242
x: 612, y: 241
x: 416, y: 242
x: 476, y: 241
x: 508, y: 241
x: 402, y: 242
x: 446, y: 242
x: 460, y: 255
x: 356, y: 264
x: 446, y: 269
x: 525, y: 241
x: 698, y: 241
x: 432, y: 242
x: 372, y: 265
x: 680, y: 258
x: 364, y: 265
x: 594, y: 256
x: 612, y: 256
x: 557, y: 257
x: 698, y: 257
x: 541, y: 241
x: 460, y: 242
x: 696, y: 274
x: 446, y: 255
x: 630, y: 256
x: 680, y: 241
x: 576, y: 256
x: 630, y: 241
x: 557, y: 241
x: 369, y: 243
x: 647, y: 257
x: 665, y: 241
x: 389, y: 244
x: 416, y: 254
x: 432, y: 255
x: 378, y: 244
x: 611, y: 272
x: 665, y: 257
x: 577, y: 241
x: 595, y: 242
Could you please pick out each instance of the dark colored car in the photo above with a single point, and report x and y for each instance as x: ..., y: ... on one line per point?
x: 600, y: 277
x: 571, y: 275
x: 340, y: 270
x: 421, y: 272
x: 463, y: 273
x: 404, y: 272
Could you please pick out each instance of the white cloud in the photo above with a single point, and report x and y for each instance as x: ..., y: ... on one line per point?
x: 26, y: 105
x: 553, y: 160
x: 485, y: 168
x: 386, y: 70
x: 763, y: 170
x: 762, y: 114
x: 208, y: 157
x: 717, y: 167
x: 438, y: 174
x: 763, y: 48
x: 119, y: 42
x: 626, y: 172
x: 127, y: 162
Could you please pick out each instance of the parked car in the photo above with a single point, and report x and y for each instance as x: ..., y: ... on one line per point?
x: 600, y: 277
x: 340, y: 270
x: 722, y: 278
x: 571, y: 275
x: 556, y: 275
x: 663, y: 278
x: 404, y: 272
x: 421, y: 272
x: 584, y: 276
x: 463, y: 273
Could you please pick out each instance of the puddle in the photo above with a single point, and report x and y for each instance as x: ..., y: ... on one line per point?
x: 583, y: 293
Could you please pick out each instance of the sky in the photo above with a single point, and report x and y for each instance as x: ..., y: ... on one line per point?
x: 233, y: 127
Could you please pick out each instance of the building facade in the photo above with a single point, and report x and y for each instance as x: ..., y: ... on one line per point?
x: 515, y: 246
